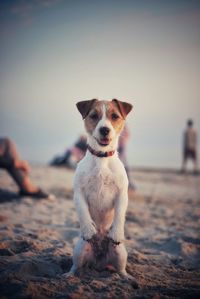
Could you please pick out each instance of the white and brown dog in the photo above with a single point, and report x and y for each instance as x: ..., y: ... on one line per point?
x: 101, y: 188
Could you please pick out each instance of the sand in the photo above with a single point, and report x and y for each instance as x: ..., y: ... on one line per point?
x: 162, y: 237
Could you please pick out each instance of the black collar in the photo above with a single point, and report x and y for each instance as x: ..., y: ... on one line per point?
x: 100, y: 154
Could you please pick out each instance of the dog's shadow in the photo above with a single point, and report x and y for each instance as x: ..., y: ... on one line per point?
x: 8, y: 196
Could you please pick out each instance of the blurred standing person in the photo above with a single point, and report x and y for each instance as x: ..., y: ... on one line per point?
x: 122, y: 146
x: 190, y: 146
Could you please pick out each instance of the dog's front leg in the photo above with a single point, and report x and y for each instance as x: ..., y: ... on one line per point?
x: 87, y: 225
x: 116, y: 232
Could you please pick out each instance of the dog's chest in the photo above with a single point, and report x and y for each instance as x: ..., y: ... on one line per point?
x: 99, y: 184
x: 100, y: 188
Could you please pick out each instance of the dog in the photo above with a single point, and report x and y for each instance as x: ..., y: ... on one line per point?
x: 101, y: 189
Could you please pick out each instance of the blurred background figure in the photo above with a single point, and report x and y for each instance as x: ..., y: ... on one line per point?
x: 72, y: 155
x: 190, y: 147
x: 122, y: 150
x: 18, y: 169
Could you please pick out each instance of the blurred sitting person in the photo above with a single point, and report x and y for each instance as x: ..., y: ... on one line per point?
x: 190, y: 146
x: 73, y: 154
x: 18, y: 169
x: 122, y: 146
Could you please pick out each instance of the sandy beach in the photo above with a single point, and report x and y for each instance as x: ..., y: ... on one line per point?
x: 162, y: 238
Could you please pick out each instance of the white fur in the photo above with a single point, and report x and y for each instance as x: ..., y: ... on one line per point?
x: 100, y: 188
x: 100, y: 196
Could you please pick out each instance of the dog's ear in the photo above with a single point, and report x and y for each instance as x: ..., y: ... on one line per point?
x: 84, y: 107
x: 123, y: 107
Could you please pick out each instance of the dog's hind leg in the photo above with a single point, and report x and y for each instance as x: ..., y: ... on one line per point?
x: 82, y: 255
x: 118, y: 259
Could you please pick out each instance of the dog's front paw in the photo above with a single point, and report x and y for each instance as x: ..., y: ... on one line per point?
x: 116, y: 234
x: 88, y: 231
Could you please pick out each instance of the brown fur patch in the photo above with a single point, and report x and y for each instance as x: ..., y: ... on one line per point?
x: 112, y: 111
x: 94, y: 116
x: 85, y: 106
x: 123, y: 107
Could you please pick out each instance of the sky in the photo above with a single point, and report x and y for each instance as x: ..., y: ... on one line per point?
x: 55, y: 53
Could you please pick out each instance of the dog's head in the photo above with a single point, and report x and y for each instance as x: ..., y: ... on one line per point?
x: 104, y: 120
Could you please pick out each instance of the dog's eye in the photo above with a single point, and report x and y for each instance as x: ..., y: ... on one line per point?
x: 114, y: 116
x: 94, y: 116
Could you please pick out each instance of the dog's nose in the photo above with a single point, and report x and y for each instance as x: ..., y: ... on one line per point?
x: 104, y: 131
